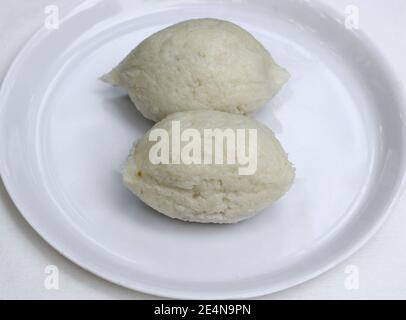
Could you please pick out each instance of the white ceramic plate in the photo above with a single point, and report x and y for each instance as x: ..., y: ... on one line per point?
x: 65, y: 135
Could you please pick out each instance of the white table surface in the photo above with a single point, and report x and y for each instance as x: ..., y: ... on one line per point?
x: 381, y: 263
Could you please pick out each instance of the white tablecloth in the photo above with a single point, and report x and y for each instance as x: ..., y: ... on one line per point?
x: 24, y: 255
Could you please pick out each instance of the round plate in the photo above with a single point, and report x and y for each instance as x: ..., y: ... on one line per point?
x: 65, y: 135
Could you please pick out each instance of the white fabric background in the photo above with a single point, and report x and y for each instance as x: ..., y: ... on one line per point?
x: 24, y: 255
